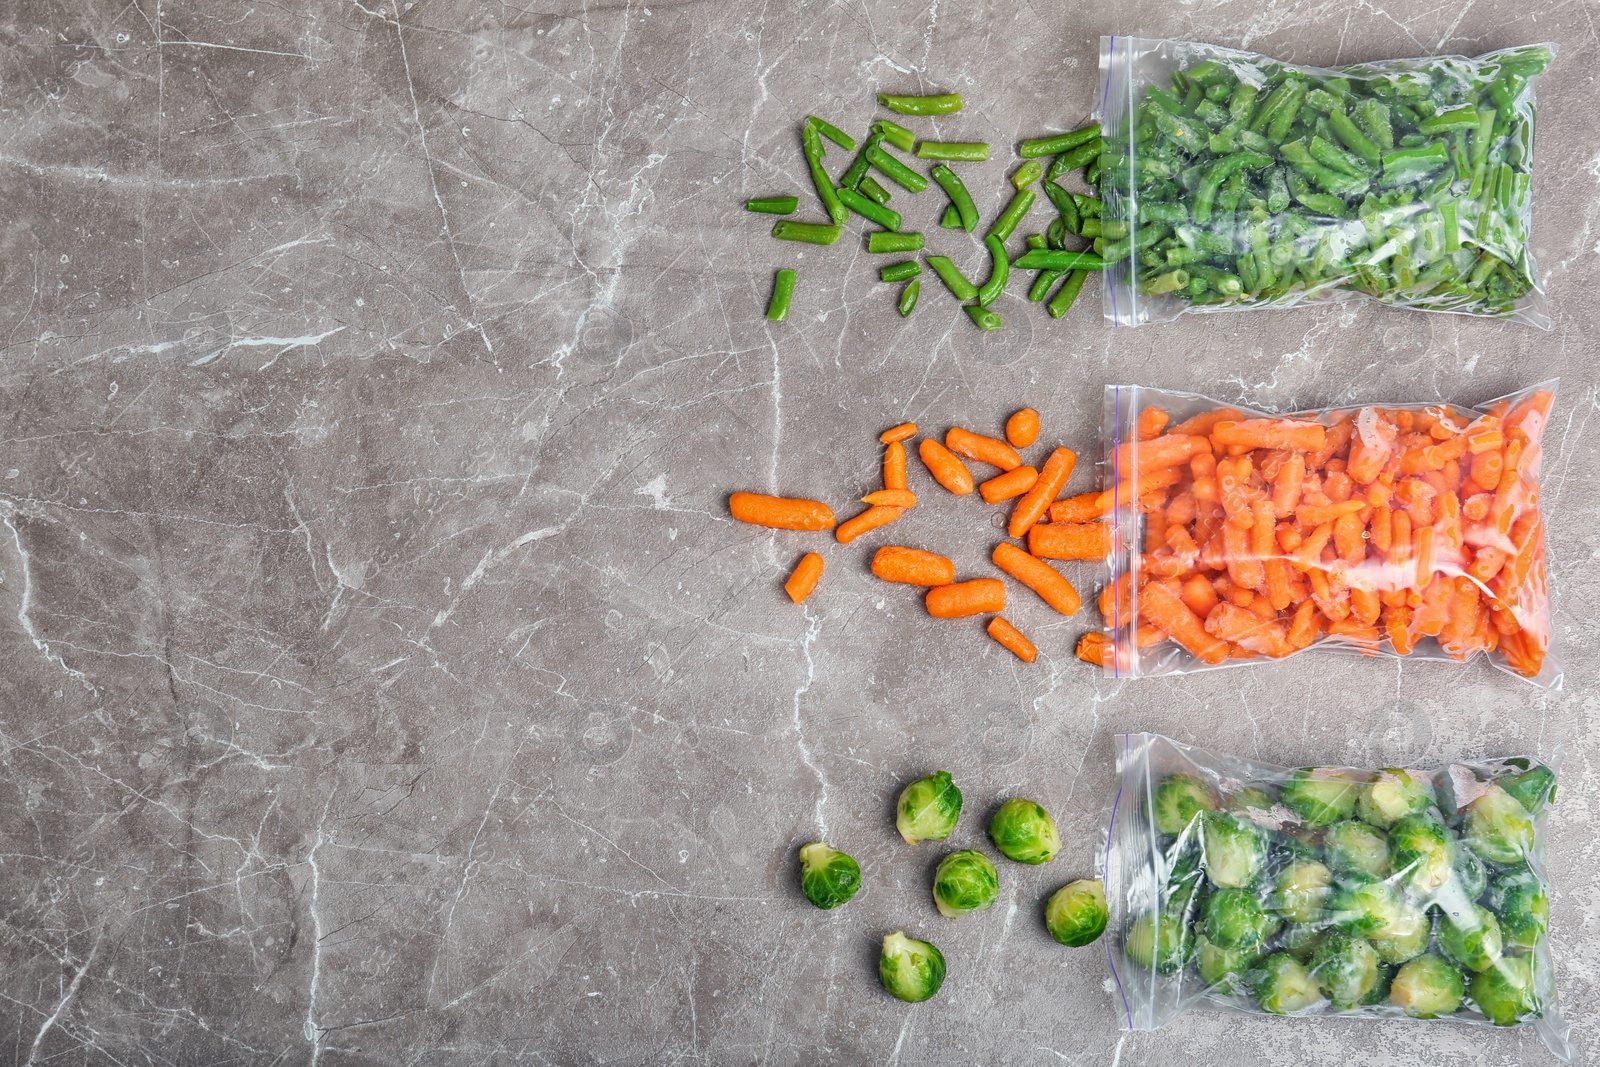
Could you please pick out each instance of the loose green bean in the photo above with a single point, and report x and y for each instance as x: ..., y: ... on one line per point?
x: 819, y: 177
x: 873, y: 191
x: 982, y: 317
x: 895, y: 170
x: 1027, y: 174
x: 951, y: 219
x: 867, y: 209
x: 811, y: 233
x: 1058, y: 143
x: 956, y: 190
x: 879, y: 241
x: 899, y: 272
x: 999, y: 271
x: 773, y: 205
x: 1006, y: 223
x: 1073, y: 158
x: 952, y: 278
x: 908, y: 297
x: 946, y: 104
x: 1062, y: 301
x: 1050, y: 259
x: 896, y: 134
x: 856, y: 173
x: 832, y: 133
x: 958, y: 151
x: 782, y: 293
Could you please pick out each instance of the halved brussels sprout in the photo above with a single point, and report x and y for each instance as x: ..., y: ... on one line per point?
x: 965, y: 882
x: 928, y: 808
x: 1320, y: 795
x: 1345, y: 969
x: 1355, y: 848
x: 1023, y: 831
x: 1234, y: 850
x: 1076, y: 913
x: 1420, y: 852
x: 1498, y: 827
x: 828, y: 877
x: 1392, y: 794
x: 1178, y: 799
x: 1427, y: 987
x: 910, y: 969
x: 1302, y: 891
x: 1472, y: 940
x: 1234, y: 919
x: 1520, y: 902
x: 1223, y: 969
x: 1505, y: 991
x: 1285, y: 986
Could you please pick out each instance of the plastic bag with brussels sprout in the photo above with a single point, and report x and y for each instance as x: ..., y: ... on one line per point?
x: 1404, y: 893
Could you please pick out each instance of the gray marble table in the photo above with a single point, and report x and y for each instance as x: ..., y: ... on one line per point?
x: 385, y: 681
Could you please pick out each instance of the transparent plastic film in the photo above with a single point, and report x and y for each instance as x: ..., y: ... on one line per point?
x: 1400, y: 530
x: 1231, y: 181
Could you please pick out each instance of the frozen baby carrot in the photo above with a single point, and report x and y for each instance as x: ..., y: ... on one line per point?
x: 904, y: 432
x: 894, y: 466
x: 1171, y: 615
x: 874, y: 517
x: 976, y: 597
x: 1150, y: 423
x: 803, y: 579
x: 1270, y: 433
x: 1007, y: 485
x: 1022, y: 429
x: 1038, y: 576
x: 896, y: 498
x: 780, y: 513
x: 1052, y: 479
x: 1065, y: 540
x: 946, y: 469
x: 912, y: 566
x: 1011, y: 637
x: 976, y: 446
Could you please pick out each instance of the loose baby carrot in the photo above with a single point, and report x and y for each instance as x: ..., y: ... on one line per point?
x: 1057, y: 469
x: 803, y: 579
x: 895, y: 498
x: 1007, y: 485
x: 1150, y: 423
x: 1093, y: 647
x: 1270, y: 433
x: 904, y: 432
x: 894, y: 466
x: 1162, y: 608
x: 976, y: 597
x: 780, y: 513
x: 1012, y: 639
x: 1066, y: 540
x: 1022, y: 429
x: 871, y: 519
x: 912, y: 566
x: 976, y: 446
x: 1038, y: 576
x: 946, y: 469
x: 1086, y: 507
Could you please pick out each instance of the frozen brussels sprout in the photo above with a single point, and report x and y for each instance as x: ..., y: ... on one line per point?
x: 1250, y: 798
x: 1355, y: 848
x: 1427, y: 987
x: 1345, y: 969
x: 1023, y: 831
x: 910, y: 969
x: 1300, y: 940
x: 1472, y: 939
x: 928, y: 808
x: 1519, y: 901
x: 1284, y: 985
x: 1160, y: 941
x: 1380, y: 989
x: 1505, y: 991
x: 1467, y: 871
x: 1320, y: 795
x: 1532, y: 788
x: 1393, y: 793
x: 1367, y: 907
x: 1234, y: 919
x: 1234, y: 850
x: 1302, y: 891
x: 1223, y: 969
x: 1420, y: 852
x: 1411, y: 932
x: 1076, y: 913
x: 965, y: 882
x: 1498, y: 827
x: 828, y: 877
x: 1178, y: 799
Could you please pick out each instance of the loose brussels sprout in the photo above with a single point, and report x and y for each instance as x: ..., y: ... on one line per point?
x: 828, y: 877
x: 1320, y: 795
x: 1392, y: 794
x: 1505, y: 991
x: 1519, y: 901
x: 910, y: 969
x: 1300, y: 940
x: 1023, y: 831
x: 1498, y: 827
x: 1380, y: 989
x: 1472, y: 940
x: 1345, y: 968
x: 1301, y: 891
x: 1234, y: 850
x: 1223, y: 969
x: 1367, y: 907
x: 1420, y: 852
x: 1160, y: 941
x: 928, y: 808
x: 965, y: 882
x: 1355, y: 848
x: 1533, y: 788
x: 1427, y: 987
x: 1076, y: 913
x: 1412, y: 931
x: 1250, y: 798
x: 1178, y: 799
x: 1234, y: 919
x: 1285, y: 986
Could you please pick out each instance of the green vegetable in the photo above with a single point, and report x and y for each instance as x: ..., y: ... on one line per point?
x: 928, y: 808
x: 1300, y: 940
x: 1391, y: 794
x: 1533, y: 788
x: 1407, y: 937
x: 873, y: 191
x: 879, y: 241
x: 1071, y: 159
x: 1178, y: 800
x: 857, y: 171
x: 1504, y: 992
x: 1467, y: 873
x: 782, y: 293
x: 1027, y: 174
x: 869, y: 210
x: 951, y: 219
x: 1522, y: 906
x: 1061, y: 303
x: 908, y: 297
x: 1051, y: 259
x: 1420, y: 852
x: 1234, y: 919
x: 899, y: 272
x: 999, y: 270
x: 982, y: 317
x: 1285, y: 986
x: 1234, y: 850
x: 1301, y: 891
x: 1076, y: 914
x: 947, y: 104
x: 1249, y: 798
x: 1345, y: 969
x: 812, y: 144
x: 896, y: 134
x: 1367, y: 907
x: 893, y: 169
x: 954, y: 188
x: 1160, y: 941
x: 964, y: 151
x: 965, y: 882
x: 1427, y: 987
x: 1006, y: 223
x: 1498, y: 827
x: 1023, y: 831
x: 1320, y: 796
x: 828, y: 877
x: 845, y: 141
x: 1471, y: 939
x: 1223, y: 969
x: 909, y: 969
x: 811, y: 233
x: 952, y: 277
x: 773, y: 205
x: 1057, y: 143
x: 1355, y: 847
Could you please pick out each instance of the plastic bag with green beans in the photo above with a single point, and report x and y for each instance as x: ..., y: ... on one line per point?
x: 1233, y: 181
x: 1394, y: 893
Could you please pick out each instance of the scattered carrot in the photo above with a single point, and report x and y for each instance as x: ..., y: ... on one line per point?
x: 1011, y: 637
x: 874, y: 517
x: 976, y: 597
x: 803, y: 579
x: 780, y: 513
x: 976, y: 446
x: 1066, y: 540
x: 1038, y: 576
x: 946, y: 469
x: 1022, y: 429
x: 912, y: 566
x: 1007, y: 485
x: 904, y: 432
x: 1052, y: 479
x: 894, y: 466
x: 895, y: 498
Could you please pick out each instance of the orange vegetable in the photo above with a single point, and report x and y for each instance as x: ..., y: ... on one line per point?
x: 946, y: 469
x: 912, y: 566
x: 1094, y: 648
x: 896, y: 498
x: 803, y: 579
x: 1086, y: 507
x: 1022, y: 429
x: 1052, y: 479
x: 1270, y: 433
x: 780, y: 513
x: 904, y: 432
x: 1011, y: 637
x: 1038, y: 576
x: 976, y: 446
x: 1165, y: 451
x: 894, y: 466
x: 1164, y: 610
x: 1199, y: 595
x: 976, y: 597
x: 874, y: 517
x: 1007, y: 485
x: 1067, y: 540
x: 1149, y: 424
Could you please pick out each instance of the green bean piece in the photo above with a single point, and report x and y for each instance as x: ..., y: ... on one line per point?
x: 952, y: 278
x: 908, y: 297
x: 1169, y: 282
x: 1050, y: 259
x: 1027, y: 174
x: 956, y: 190
x: 1091, y: 173
x: 951, y: 220
x: 999, y: 271
x: 1036, y: 240
x: 1331, y: 155
x: 1452, y: 226
x: 1350, y: 135
x: 832, y: 133
x: 1042, y: 284
x: 946, y: 104
x: 895, y: 170
x: 1056, y: 235
x: 879, y: 241
x: 853, y: 176
x: 811, y: 233
x: 1006, y: 224
x: 867, y: 209
x: 1405, y: 165
x: 1064, y: 204
x: 1459, y: 118
x: 1058, y: 143
x: 1219, y: 172
x: 896, y: 134
x: 899, y: 272
x: 825, y: 190
x: 1375, y: 119
x: 782, y: 293
x: 1062, y: 301
x: 1088, y: 207
x: 773, y: 205
x: 873, y: 191
x: 1073, y: 158
x: 960, y: 151
x: 982, y: 317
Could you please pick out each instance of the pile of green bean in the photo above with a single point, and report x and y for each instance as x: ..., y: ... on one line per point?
x: 1250, y: 183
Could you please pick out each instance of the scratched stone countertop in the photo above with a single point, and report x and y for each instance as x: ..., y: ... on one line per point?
x: 384, y: 679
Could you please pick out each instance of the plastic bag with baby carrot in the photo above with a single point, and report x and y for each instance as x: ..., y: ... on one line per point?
x: 1408, y: 530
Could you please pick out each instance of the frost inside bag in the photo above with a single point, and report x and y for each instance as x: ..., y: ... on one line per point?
x: 1387, y: 529
x: 1402, y: 893
x: 1232, y: 181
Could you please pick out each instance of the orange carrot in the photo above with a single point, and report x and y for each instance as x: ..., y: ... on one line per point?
x: 1202, y: 423
x: 976, y: 446
x: 946, y: 469
x: 780, y: 513
x: 1116, y: 599
x: 904, y: 432
x: 894, y: 466
x: 1022, y: 429
x: 895, y: 498
x: 1303, y: 629
x: 1067, y: 540
x: 912, y: 566
x: 1010, y: 484
x: 1052, y: 479
x: 1364, y: 604
x: 1199, y: 595
x: 1270, y: 433
x: 1166, y: 611
x: 1149, y: 424
x: 1350, y: 539
x: 1038, y: 576
x: 871, y: 519
x: 1093, y: 647
x: 1086, y: 507
x: 803, y: 579
x: 1168, y: 450
x: 976, y: 597
x: 1287, y: 486
x: 1011, y: 638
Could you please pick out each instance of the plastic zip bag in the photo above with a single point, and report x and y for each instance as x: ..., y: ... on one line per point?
x: 1232, y: 181
x: 1398, y: 530
x: 1394, y: 893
